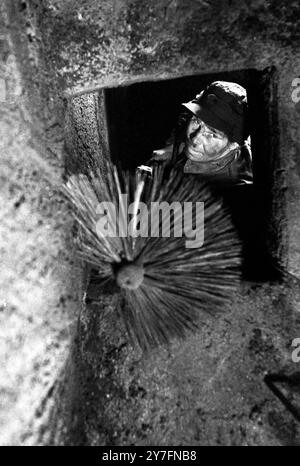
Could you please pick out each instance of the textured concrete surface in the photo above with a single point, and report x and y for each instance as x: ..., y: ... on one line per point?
x: 40, y: 280
x: 206, y: 390
x: 68, y: 375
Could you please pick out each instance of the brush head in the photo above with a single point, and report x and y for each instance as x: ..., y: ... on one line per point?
x: 130, y: 276
x: 163, y: 285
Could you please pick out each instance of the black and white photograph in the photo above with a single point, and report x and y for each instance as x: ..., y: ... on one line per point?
x: 150, y: 226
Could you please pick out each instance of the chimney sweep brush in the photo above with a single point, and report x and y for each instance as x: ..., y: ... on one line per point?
x: 164, y: 282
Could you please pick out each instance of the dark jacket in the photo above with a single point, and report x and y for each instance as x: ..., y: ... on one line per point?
x: 235, y: 168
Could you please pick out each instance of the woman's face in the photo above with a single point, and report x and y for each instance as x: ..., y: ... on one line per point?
x: 203, y: 143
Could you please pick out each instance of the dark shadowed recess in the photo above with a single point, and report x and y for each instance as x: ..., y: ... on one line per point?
x: 140, y: 118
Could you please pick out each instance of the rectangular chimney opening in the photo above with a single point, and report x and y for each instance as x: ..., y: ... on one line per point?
x: 130, y: 121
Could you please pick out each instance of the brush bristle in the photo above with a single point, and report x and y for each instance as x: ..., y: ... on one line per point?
x: 178, y: 282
